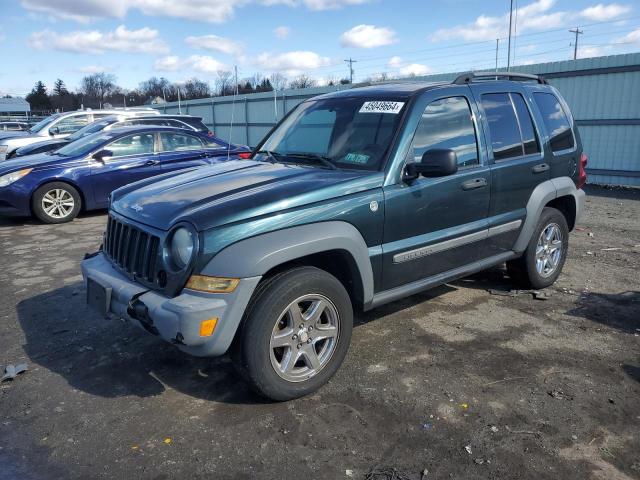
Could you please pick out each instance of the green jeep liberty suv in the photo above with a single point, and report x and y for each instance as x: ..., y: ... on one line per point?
x: 355, y: 199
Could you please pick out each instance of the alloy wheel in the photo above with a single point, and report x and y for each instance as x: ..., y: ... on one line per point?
x: 304, y: 337
x: 58, y: 203
x: 549, y: 250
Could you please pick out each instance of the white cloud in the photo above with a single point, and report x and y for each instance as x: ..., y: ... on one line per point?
x: 415, y: 69
x: 197, y: 63
x: 368, y: 36
x: 212, y: 11
x: 395, y: 62
x: 631, y: 37
x: 143, y: 40
x: 291, y: 63
x: 94, y: 69
x: 588, y: 51
x: 603, y: 13
x: 216, y: 43
x: 534, y: 16
x: 332, y: 4
x: 282, y: 32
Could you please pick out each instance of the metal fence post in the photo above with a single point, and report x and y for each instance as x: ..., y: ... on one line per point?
x: 246, y: 120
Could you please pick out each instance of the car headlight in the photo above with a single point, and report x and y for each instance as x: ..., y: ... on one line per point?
x: 9, y: 178
x: 183, y: 243
x: 4, y: 148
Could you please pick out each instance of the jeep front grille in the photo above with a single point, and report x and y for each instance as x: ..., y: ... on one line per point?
x: 131, y: 249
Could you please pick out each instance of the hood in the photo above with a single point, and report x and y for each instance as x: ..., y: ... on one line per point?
x: 14, y: 134
x: 38, y: 160
x: 234, y: 191
x: 52, y: 144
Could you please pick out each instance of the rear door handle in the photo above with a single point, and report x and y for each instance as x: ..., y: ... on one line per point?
x: 475, y: 183
x: 149, y: 163
x: 542, y: 167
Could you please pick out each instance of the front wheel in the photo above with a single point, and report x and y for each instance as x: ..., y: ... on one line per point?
x: 295, y: 333
x: 542, y: 261
x: 56, y: 202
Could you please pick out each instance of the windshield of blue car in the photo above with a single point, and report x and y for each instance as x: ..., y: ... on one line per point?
x: 83, y: 146
x: 352, y: 133
x: 44, y: 123
x: 91, y: 128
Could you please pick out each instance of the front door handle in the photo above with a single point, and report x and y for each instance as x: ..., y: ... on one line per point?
x: 150, y: 163
x: 475, y: 183
x: 542, y: 167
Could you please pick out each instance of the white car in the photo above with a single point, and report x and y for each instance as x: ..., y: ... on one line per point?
x: 61, y: 125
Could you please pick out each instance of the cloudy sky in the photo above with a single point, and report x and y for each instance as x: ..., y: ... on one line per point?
x: 179, y: 39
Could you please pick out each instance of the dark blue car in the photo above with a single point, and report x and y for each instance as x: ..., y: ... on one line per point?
x: 56, y: 186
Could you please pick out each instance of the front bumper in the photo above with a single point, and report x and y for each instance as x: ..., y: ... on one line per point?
x: 14, y: 201
x: 176, y: 320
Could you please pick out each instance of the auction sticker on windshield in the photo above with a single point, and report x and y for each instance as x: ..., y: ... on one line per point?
x: 381, y: 107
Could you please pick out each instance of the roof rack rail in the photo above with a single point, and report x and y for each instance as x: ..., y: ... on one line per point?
x: 470, y: 76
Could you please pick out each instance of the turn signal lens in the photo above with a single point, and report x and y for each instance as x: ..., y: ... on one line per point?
x: 203, y: 283
x: 244, y: 155
x: 208, y: 326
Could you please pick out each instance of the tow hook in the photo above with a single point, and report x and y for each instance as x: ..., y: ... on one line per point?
x: 139, y: 311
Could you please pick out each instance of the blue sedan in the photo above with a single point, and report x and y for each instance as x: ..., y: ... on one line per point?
x: 56, y: 186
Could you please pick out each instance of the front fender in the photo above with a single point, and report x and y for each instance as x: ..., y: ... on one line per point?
x: 257, y: 255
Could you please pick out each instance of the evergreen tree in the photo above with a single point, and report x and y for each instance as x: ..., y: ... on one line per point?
x: 38, y: 98
x: 59, y: 88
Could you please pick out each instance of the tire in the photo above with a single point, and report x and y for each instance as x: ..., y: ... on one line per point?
x: 268, y: 323
x: 526, y: 270
x: 46, y: 196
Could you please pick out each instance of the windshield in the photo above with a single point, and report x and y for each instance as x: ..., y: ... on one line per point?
x: 44, y: 123
x: 83, y: 146
x: 91, y: 128
x: 352, y: 133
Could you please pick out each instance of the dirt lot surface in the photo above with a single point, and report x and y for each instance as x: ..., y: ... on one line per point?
x: 458, y: 382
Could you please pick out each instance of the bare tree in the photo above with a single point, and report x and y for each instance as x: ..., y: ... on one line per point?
x: 224, y: 82
x: 302, y: 81
x: 194, y: 88
x: 156, y: 87
x: 278, y: 81
x: 97, y: 86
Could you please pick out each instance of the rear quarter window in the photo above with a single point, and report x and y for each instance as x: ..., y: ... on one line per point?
x: 556, y: 121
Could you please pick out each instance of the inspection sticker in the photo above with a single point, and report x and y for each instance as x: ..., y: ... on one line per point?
x: 382, y: 107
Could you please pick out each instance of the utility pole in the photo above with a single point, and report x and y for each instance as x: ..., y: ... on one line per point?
x: 179, y: 104
x: 577, y: 31
x: 509, y: 47
x: 235, y: 67
x: 351, y: 62
x: 497, y: 47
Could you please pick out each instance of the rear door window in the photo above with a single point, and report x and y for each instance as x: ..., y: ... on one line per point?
x: 529, y: 137
x: 447, y: 124
x: 503, y: 126
x: 556, y: 121
x: 172, y: 142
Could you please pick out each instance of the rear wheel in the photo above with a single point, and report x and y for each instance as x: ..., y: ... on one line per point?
x: 542, y: 261
x: 56, y: 202
x: 295, y: 333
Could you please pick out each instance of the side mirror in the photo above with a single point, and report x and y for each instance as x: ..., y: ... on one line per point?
x: 54, y: 131
x: 101, y: 155
x: 435, y: 163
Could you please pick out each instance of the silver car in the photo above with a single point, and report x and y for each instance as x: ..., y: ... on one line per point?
x: 61, y: 125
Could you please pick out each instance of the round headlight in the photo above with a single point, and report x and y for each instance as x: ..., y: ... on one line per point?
x: 182, y: 246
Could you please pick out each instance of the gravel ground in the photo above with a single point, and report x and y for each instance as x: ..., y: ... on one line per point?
x: 458, y: 382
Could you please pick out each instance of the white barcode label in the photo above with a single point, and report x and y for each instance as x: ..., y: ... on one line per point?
x: 382, y: 107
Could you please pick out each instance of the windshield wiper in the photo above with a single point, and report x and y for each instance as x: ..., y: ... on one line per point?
x: 272, y: 156
x: 326, y: 161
